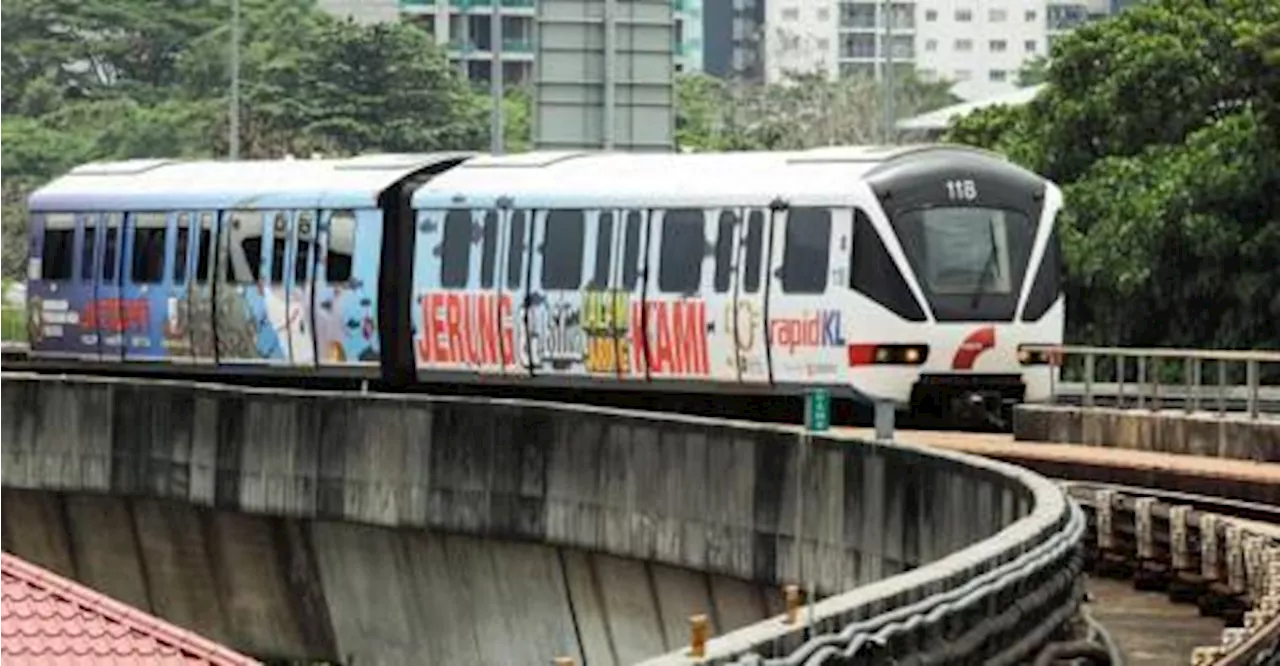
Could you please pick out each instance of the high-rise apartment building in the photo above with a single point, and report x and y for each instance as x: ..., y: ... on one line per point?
x: 464, y: 29
x: 980, y: 44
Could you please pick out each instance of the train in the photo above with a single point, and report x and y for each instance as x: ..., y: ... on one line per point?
x: 916, y: 276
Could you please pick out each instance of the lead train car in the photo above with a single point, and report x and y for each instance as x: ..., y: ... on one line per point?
x: 907, y: 274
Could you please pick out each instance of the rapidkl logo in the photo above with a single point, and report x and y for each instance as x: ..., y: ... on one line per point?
x: 972, y: 347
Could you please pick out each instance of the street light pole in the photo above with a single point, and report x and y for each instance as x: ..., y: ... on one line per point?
x: 234, y: 129
x: 495, y: 78
x: 888, y: 72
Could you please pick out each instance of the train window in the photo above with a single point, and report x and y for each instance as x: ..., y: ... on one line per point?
x: 807, y: 252
x: 604, y: 252
x: 58, y: 258
x: 874, y: 273
x: 683, y: 246
x: 148, y: 248
x: 631, y: 251
x: 305, y: 241
x: 562, y: 249
x: 489, y: 250
x: 246, y: 236
x: 204, y: 248
x: 87, y: 249
x: 279, y: 242
x: 755, y: 250
x: 181, y: 250
x: 110, y: 245
x: 455, y: 249
x: 342, y: 244
x: 515, y: 251
x: 724, y: 250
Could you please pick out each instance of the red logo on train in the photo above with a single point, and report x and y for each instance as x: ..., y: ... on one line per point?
x: 972, y: 347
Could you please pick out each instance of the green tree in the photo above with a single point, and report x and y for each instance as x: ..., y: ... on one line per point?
x: 1163, y: 127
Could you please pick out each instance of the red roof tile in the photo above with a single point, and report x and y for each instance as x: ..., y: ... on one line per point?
x: 47, y: 619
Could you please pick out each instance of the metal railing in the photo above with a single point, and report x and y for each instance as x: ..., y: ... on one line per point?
x: 1164, y: 375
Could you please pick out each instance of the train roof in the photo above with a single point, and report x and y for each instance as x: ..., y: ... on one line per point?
x: 731, y: 178
x: 165, y: 184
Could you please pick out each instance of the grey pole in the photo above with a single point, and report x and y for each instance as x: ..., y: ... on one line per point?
x: 233, y: 130
x: 888, y: 72
x: 495, y: 78
x: 610, y: 64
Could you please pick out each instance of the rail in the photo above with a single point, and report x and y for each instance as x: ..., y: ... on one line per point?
x: 1154, y: 368
x: 1221, y: 554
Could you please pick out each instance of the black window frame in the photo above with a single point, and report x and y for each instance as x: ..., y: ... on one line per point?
x: 564, y: 234
x: 676, y: 243
x: 455, y: 248
x: 344, y: 222
x: 148, y: 266
x: 805, y: 269
x: 57, y: 252
x: 726, y: 232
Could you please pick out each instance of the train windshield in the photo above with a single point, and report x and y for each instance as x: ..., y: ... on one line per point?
x: 970, y: 260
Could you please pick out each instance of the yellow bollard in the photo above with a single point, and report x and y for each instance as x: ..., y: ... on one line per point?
x: 698, y: 641
x: 792, y: 594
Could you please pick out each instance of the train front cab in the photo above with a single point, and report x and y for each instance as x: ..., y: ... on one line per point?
x: 979, y: 239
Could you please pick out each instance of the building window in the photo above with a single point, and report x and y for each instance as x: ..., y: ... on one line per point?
x: 1030, y: 45
x: 931, y: 45
x: 997, y: 15
x: 998, y: 75
x: 998, y: 45
x: 964, y: 44
x: 931, y: 15
x: 823, y: 44
x: 790, y: 14
x: 1030, y: 15
x: 964, y: 15
x: 963, y: 75
x: 824, y: 14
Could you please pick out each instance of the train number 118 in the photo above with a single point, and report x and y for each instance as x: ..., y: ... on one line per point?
x: 964, y: 190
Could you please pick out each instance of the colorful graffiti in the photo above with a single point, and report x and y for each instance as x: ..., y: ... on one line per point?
x: 601, y: 333
x: 460, y: 328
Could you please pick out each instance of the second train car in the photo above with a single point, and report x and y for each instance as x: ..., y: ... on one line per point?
x: 909, y: 274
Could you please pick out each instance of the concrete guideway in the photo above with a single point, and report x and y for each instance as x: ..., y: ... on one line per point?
x: 897, y: 540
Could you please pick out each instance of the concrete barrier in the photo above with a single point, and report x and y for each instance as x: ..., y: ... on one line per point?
x: 1166, y: 431
x: 897, y: 524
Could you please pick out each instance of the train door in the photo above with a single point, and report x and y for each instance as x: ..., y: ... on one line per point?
x: 490, y: 324
x: 300, y: 283
x: 554, y: 311
x: 51, y: 297
x: 177, y: 290
x: 750, y: 270
x: 200, y: 296
x: 806, y: 333
x: 515, y: 232
x: 107, y: 312
x: 605, y: 305
x: 244, y: 335
x: 143, y: 287
x: 676, y: 314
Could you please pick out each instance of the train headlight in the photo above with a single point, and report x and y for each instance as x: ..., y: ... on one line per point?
x: 872, y: 354
x: 911, y: 355
x: 1035, y: 356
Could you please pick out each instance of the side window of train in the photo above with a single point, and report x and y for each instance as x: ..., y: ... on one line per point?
x: 631, y: 253
x: 111, y: 247
x: 306, y: 228
x: 149, y: 230
x: 807, y: 251
x: 342, y: 243
x: 57, y: 258
x: 455, y: 249
x: 874, y: 273
x: 562, y: 247
x: 489, y: 249
x: 683, y: 244
x: 205, y: 248
x: 88, y: 248
x: 279, y: 241
x: 182, y: 249
x: 725, y: 231
x: 604, y: 252
x: 516, y: 249
x: 244, y: 247
x: 754, y: 252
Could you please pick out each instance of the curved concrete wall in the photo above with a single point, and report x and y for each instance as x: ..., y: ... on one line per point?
x: 285, y: 588
x: 728, y: 499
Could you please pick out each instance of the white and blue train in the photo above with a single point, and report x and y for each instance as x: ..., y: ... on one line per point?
x: 909, y: 274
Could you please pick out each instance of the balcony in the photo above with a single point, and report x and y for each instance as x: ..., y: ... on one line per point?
x: 416, y: 4
x: 517, y: 45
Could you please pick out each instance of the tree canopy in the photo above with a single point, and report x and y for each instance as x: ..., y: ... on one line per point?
x: 1162, y: 125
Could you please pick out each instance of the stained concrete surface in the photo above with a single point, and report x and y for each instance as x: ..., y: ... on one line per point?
x: 1150, y: 629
